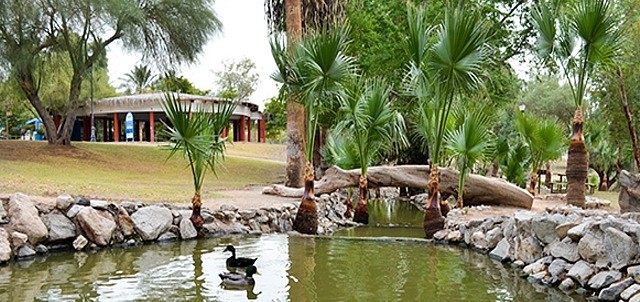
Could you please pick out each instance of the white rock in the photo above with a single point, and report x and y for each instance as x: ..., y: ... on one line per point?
x: 187, y: 230
x: 5, y: 246
x: 80, y: 243
x: 97, y: 225
x: 152, y: 221
x: 24, y: 218
x: 630, y: 291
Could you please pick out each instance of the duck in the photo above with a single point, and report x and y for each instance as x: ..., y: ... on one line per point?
x: 238, y: 262
x: 236, y: 279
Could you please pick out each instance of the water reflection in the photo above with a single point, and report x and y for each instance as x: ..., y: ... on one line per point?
x: 292, y: 268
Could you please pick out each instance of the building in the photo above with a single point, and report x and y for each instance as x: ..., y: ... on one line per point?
x: 148, y: 115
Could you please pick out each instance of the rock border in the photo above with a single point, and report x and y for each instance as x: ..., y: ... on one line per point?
x: 29, y: 228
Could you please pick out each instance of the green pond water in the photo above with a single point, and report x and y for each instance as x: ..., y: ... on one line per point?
x: 353, y: 265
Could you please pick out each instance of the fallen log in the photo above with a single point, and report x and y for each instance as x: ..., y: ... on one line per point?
x: 478, y: 190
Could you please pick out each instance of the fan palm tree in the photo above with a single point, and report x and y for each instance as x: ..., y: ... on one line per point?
x: 371, y: 126
x: 343, y: 153
x: 544, y: 139
x: 315, y: 73
x: 140, y: 77
x: 588, y: 36
x: 197, y: 134
x: 450, y: 67
x: 470, y: 143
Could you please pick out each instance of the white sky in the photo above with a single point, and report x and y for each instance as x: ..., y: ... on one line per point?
x: 244, y: 34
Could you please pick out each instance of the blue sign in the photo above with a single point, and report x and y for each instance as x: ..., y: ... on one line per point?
x: 128, y: 125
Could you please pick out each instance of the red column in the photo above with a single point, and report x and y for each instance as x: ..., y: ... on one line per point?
x: 152, y: 129
x: 116, y: 128
x: 224, y: 132
x: 86, y: 129
x: 248, y: 129
x: 262, y: 133
x: 241, y: 129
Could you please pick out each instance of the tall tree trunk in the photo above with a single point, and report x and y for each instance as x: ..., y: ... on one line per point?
x: 26, y: 82
x: 577, y: 163
x: 295, y: 110
x: 547, y: 176
x: 628, y: 116
x: 433, y: 219
x: 361, y: 214
x: 306, y: 221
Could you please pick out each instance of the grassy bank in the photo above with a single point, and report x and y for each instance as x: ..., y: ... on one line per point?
x: 125, y: 172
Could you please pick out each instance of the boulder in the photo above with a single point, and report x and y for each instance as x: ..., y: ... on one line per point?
x: 23, y: 217
x: 80, y: 243
x: 5, y: 246
x: 535, y: 267
x: 493, y: 237
x: 18, y: 240
x: 501, y: 252
x: 74, y: 210
x: 187, y: 230
x: 63, y: 202
x: 41, y: 249
x: 98, y: 204
x: 453, y: 236
x: 604, y: 279
x: 529, y: 249
x: 581, y: 272
x: 60, y: 227
x: 576, y: 233
x: 544, y: 227
x: 629, y: 198
x: 562, y: 229
x: 557, y: 269
x: 124, y: 221
x: 25, y: 252
x: 478, y: 240
x: 635, y: 298
x: 591, y: 247
x: 634, y: 272
x: 621, y: 249
x: 152, y: 221
x: 167, y: 236
x: 82, y: 201
x: 612, y: 293
x: 98, y: 226
x: 630, y: 292
x: 567, y: 285
x: 44, y: 207
x: 3, y: 214
x: 565, y: 249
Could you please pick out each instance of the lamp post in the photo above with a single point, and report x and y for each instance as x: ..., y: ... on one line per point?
x: 522, y: 107
x: 93, y: 128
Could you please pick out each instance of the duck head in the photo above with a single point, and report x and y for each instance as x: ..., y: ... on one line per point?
x: 252, y: 270
x: 230, y: 248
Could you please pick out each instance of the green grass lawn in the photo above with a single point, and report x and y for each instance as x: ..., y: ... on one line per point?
x: 125, y: 172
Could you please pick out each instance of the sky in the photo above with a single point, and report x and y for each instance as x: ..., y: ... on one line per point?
x: 244, y: 34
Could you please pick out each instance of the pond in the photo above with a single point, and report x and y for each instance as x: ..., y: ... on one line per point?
x: 344, y: 267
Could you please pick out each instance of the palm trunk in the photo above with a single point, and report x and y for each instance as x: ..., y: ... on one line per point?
x: 577, y: 163
x: 547, y: 176
x: 196, y: 216
x: 349, y: 203
x: 362, y: 213
x: 306, y: 221
x: 433, y: 219
x: 295, y: 110
x: 533, y: 181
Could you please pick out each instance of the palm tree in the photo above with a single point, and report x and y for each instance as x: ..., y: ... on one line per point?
x: 296, y: 17
x: 470, y: 142
x: 450, y: 68
x: 141, y: 78
x: 343, y: 153
x: 372, y: 127
x: 315, y: 73
x: 596, y: 29
x: 544, y: 139
x: 197, y: 134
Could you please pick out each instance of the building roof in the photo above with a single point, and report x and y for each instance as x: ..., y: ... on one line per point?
x: 152, y: 102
